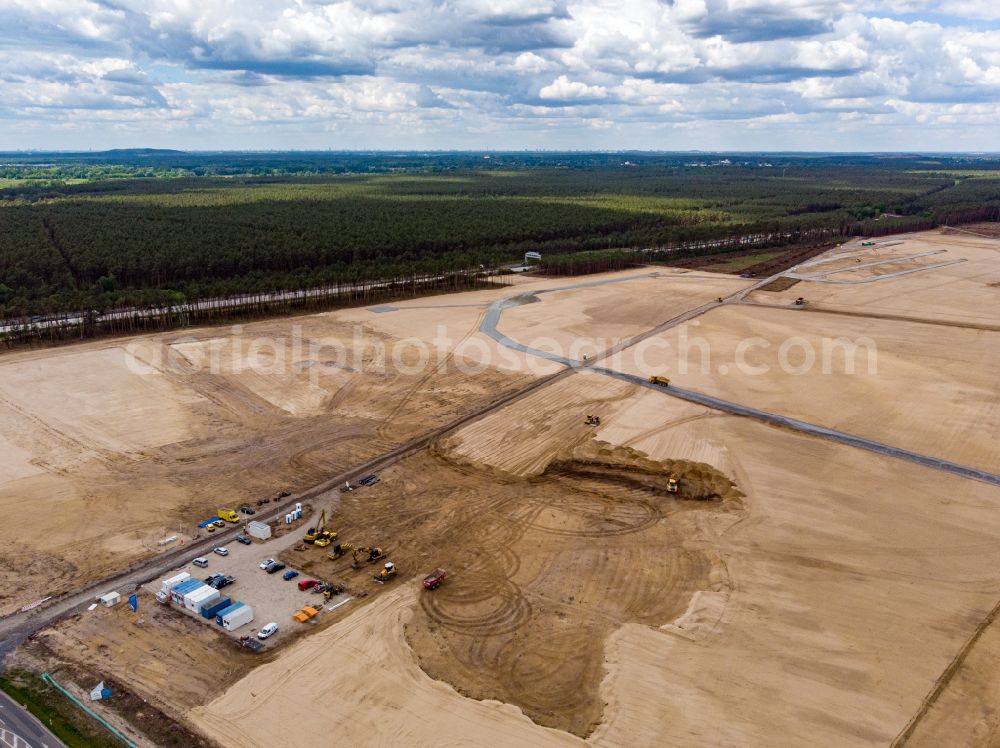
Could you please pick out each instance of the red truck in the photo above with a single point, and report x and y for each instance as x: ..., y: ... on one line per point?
x: 433, y: 580
x: 305, y: 584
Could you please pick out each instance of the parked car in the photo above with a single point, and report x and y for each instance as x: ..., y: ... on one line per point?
x: 243, y: 539
x: 221, y: 581
x: 275, y: 567
x: 290, y: 574
x: 266, y: 562
x: 369, y: 480
x: 219, y: 523
x: 221, y: 550
x: 248, y: 510
x: 306, y: 584
x: 211, y: 527
x: 269, y: 630
x: 201, y: 561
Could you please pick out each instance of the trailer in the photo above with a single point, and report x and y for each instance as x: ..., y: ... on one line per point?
x: 204, y: 595
x: 168, y: 584
x: 110, y: 599
x: 234, y: 619
x: 177, y: 593
x: 211, y: 610
x: 220, y: 614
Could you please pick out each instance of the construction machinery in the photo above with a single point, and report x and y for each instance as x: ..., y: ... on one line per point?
x: 339, y: 550
x: 229, y: 515
x: 433, y: 580
x: 387, y: 572
x: 370, y: 554
x: 673, y: 484
x: 592, y: 420
x: 319, y: 535
x: 800, y: 301
x: 661, y: 381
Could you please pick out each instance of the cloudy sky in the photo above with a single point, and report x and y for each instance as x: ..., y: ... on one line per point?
x: 494, y: 74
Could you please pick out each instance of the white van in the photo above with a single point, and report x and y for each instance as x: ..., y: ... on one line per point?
x: 200, y: 561
x: 269, y: 630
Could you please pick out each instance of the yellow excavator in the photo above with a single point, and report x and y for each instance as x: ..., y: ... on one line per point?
x: 662, y: 381
x: 673, y: 484
x: 386, y: 573
x: 319, y: 535
x: 592, y: 420
x: 374, y: 554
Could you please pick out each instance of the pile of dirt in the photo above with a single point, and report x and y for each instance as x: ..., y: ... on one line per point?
x: 620, y: 465
x: 554, y: 563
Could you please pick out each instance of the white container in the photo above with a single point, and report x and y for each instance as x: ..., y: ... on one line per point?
x: 205, y: 595
x: 239, y: 617
x: 259, y: 530
x: 169, y: 584
x: 191, y: 593
x: 110, y: 599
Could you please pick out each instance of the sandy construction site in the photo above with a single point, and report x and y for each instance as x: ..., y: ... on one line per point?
x: 836, y: 589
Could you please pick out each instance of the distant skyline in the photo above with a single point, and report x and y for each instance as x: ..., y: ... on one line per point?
x: 735, y: 75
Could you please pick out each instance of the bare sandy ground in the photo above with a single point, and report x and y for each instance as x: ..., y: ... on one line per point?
x: 965, y: 292
x: 361, y: 677
x: 921, y: 387
x: 586, y: 321
x: 818, y: 596
x: 107, y: 448
x: 845, y: 588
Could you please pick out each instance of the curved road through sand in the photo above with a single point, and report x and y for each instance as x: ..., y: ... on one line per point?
x: 488, y: 326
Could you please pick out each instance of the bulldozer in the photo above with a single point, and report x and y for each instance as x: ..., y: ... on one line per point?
x: 387, y: 573
x: 319, y: 531
x: 592, y: 420
x: 662, y: 381
x: 673, y: 484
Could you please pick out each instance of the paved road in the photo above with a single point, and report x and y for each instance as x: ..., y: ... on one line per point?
x: 19, y: 729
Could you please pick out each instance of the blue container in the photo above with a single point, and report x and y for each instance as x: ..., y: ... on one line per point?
x: 209, y: 611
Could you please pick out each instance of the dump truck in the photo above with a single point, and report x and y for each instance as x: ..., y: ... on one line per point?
x: 672, y: 484
x: 229, y: 515
x: 592, y: 421
x: 661, y: 381
x: 433, y: 580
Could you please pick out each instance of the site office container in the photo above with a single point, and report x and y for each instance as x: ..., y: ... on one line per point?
x: 169, y: 584
x: 177, y: 593
x: 238, y: 617
x: 225, y: 611
x: 204, y: 595
x: 210, y: 611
